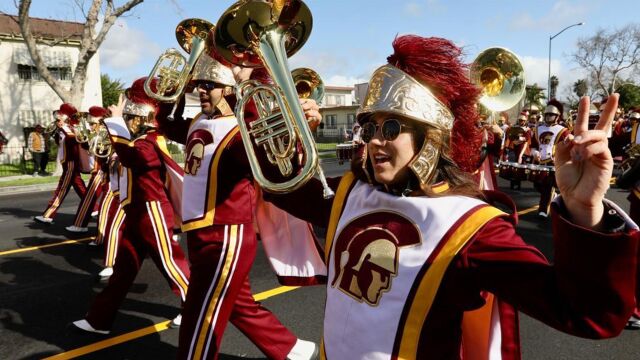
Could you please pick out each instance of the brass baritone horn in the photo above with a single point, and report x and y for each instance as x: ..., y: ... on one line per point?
x: 100, y: 143
x: 500, y: 75
x: 260, y: 33
x: 82, y: 130
x: 271, y: 131
x: 172, y: 69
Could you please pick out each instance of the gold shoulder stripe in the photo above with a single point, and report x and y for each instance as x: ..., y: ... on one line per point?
x: 428, y: 287
x: 336, y: 210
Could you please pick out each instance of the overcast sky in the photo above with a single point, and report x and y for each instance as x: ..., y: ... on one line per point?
x: 351, y: 38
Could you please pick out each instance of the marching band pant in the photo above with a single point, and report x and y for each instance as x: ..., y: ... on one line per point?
x: 110, y: 226
x: 146, y: 231
x: 546, y: 195
x: 94, y: 190
x: 70, y: 177
x: 219, y: 291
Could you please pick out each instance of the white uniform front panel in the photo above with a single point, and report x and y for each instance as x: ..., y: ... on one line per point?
x: 358, y: 330
x: 546, y: 146
x: 194, y: 198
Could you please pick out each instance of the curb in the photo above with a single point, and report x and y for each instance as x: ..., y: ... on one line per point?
x: 11, y: 190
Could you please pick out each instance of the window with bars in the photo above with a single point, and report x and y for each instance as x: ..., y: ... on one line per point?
x: 331, y: 121
x: 26, y: 72
x: 351, y: 119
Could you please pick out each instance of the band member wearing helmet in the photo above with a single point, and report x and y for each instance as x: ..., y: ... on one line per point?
x: 70, y: 163
x: 97, y: 180
x: 413, y: 246
x: 490, y: 149
x: 148, y: 201
x: 517, y: 144
x: 217, y: 215
x: 545, y: 140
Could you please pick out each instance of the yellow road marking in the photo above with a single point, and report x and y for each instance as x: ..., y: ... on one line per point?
x: 31, y: 248
x: 526, y: 211
x: 162, y: 326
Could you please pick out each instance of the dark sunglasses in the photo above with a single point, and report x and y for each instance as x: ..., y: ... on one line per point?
x: 208, y: 86
x: 390, y: 130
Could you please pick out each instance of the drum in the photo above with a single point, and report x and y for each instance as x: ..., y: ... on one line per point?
x: 505, y: 170
x: 519, y: 171
x: 512, y: 171
x: 344, y: 152
x: 542, y: 174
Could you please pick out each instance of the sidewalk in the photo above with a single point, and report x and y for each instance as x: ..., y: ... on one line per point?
x: 50, y: 186
x: 21, y: 189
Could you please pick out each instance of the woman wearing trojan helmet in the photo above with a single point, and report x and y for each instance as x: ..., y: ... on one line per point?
x: 412, y: 245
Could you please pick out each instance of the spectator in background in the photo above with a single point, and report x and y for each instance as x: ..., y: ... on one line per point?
x: 37, y: 146
x: 355, y: 134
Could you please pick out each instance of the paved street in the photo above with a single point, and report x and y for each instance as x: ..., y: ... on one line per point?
x: 46, y: 284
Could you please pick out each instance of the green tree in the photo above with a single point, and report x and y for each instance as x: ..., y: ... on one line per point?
x: 580, y: 88
x: 111, y: 90
x: 629, y: 95
x: 534, y: 96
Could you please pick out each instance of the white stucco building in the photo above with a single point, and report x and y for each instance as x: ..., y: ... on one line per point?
x: 25, y: 99
x: 338, y: 110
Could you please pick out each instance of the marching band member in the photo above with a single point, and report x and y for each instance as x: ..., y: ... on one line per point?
x: 70, y: 163
x: 96, y: 181
x: 217, y: 216
x: 111, y: 216
x: 546, y: 137
x: 517, y: 143
x: 148, y: 204
x: 412, y: 245
x: 490, y: 149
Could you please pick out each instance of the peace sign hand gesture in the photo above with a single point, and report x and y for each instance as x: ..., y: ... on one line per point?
x: 584, y: 164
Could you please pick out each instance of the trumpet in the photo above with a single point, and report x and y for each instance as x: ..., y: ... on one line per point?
x: 100, y: 143
x: 172, y: 69
x: 257, y: 33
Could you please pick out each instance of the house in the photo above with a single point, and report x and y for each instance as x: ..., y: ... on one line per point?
x: 25, y: 99
x: 338, y: 110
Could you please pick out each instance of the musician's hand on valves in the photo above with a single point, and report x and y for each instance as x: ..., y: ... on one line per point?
x: 584, y: 165
x: 311, y: 112
x: 116, y: 110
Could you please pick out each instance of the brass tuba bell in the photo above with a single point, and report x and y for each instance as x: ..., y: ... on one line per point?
x: 500, y: 75
x: 172, y: 69
x: 260, y: 33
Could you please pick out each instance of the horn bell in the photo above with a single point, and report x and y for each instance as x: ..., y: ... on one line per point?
x: 500, y: 75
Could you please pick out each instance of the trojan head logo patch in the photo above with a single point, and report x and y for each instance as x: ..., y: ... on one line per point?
x: 367, y: 253
x: 195, y: 150
x: 546, y: 137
